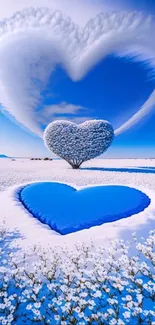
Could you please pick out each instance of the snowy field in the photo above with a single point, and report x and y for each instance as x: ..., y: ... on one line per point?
x: 97, y: 171
x: 138, y: 173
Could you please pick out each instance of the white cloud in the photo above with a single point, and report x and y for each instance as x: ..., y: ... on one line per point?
x: 62, y: 108
x: 145, y: 109
x: 33, y: 42
x: 61, y: 111
x: 79, y: 10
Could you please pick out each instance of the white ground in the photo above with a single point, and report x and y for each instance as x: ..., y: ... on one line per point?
x: 22, y: 171
x: 13, y: 173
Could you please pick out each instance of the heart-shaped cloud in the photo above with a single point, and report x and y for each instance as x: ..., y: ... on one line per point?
x: 34, y: 42
x: 78, y: 143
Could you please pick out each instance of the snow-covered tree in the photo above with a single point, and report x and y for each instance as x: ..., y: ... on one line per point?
x: 78, y: 143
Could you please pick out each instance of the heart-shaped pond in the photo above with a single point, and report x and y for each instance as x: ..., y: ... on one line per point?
x: 67, y: 210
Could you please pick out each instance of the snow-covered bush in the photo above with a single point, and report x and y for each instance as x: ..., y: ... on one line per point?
x: 78, y: 143
x: 83, y: 285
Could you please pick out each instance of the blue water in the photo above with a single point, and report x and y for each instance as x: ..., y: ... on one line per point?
x: 67, y: 210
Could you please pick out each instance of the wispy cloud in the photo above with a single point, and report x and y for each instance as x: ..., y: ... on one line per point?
x: 79, y: 10
x: 62, y: 111
x: 35, y: 41
x: 145, y: 109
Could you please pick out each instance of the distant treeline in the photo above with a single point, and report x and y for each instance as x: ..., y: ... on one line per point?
x: 46, y: 158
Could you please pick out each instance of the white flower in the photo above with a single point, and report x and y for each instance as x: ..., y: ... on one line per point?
x: 130, y: 304
x: 81, y: 315
x: 37, y: 305
x: 120, y: 322
x: 126, y: 315
x: 128, y: 298
x: 29, y: 307
x: 113, y: 322
x: 4, y: 322
x: 139, y: 281
x: 36, y: 312
x: 97, y: 294
x: 74, y: 288
x: 110, y: 311
x: 77, y: 309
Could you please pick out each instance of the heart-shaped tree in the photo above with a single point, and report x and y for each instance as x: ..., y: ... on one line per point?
x: 78, y: 143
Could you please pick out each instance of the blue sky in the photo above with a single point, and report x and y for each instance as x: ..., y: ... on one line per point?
x: 145, y: 5
x: 114, y: 89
